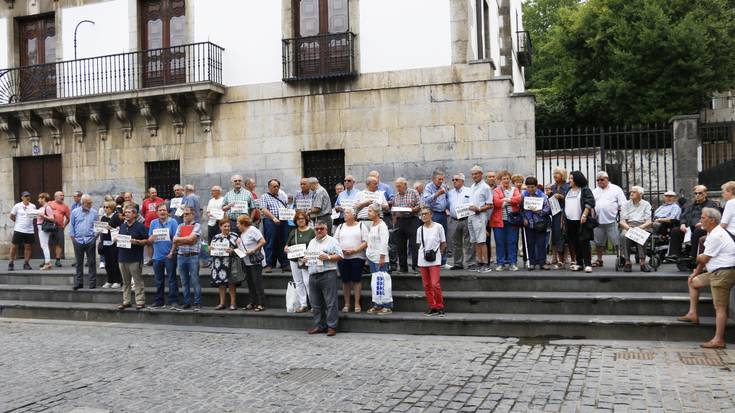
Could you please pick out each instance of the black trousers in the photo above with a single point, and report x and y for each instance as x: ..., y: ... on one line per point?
x: 254, y: 278
x: 581, y: 247
x: 405, y: 235
x: 111, y: 266
x: 677, y: 240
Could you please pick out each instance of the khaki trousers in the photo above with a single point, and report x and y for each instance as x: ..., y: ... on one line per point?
x: 133, y: 270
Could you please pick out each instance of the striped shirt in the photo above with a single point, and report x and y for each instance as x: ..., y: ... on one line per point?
x: 242, y: 195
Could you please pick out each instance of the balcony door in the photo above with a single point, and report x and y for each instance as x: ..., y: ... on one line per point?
x: 37, y: 80
x: 163, y: 36
x: 320, y: 50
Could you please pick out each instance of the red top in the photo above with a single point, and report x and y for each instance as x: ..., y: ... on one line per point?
x: 149, y: 209
x: 496, y: 219
x: 61, y: 210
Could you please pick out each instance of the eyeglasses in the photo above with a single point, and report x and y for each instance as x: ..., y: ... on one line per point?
x: 601, y: 179
x: 237, y: 180
x: 349, y: 180
x: 455, y: 180
x: 320, y: 229
x: 188, y: 213
x: 699, y: 193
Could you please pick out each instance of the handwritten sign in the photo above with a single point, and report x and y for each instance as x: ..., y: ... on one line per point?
x: 463, y: 211
x: 113, y: 234
x: 554, y: 204
x: 32, y: 213
x: 303, y: 204
x: 637, y: 235
x: 347, y: 203
x: 335, y: 214
x: 312, y: 258
x: 240, y: 207
x: 161, y: 234
x: 123, y: 241
x: 217, y: 213
x: 286, y: 214
x: 240, y: 252
x: 296, y: 251
x: 373, y: 197
x: 175, y: 203
x: 219, y: 249
x: 533, y: 203
x: 100, y: 227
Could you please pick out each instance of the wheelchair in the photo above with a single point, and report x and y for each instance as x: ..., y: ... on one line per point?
x: 653, y: 257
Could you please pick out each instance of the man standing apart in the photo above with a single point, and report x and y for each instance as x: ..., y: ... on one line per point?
x: 83, y: 237
x: 321, y: 205
x: 130, y: 258
x: 323, y: 280
x: 481, y: 201
x: 238, y: 201
x: 159, y: 235
x: 23, y: 233
x: 406, y: 223
x: 609, y: 199
x: 62, y: 216
x: 458, y: 232
x: 435, y: 198
x: 276, y: 230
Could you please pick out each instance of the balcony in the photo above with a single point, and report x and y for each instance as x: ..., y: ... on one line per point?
x: 525, y: 48
x: 115, y: 84
x: 319, y: 57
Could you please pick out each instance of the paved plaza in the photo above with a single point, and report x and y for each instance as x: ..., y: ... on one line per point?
x: 63, y: 366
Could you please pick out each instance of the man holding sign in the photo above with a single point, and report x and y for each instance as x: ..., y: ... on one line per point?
x: 275, y: 227
x: 159, y: 235
x: 237, y: 202
x: 481, y: 201
x: 131, y: 239
x: 636, y: 213
x: 406, y: 206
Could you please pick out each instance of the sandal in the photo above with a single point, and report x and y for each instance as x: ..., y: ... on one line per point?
x: 259, y: 308
x: 249, y: 307
x: 713, y: 345
x: 597, y: 263
x: 233, y: 307
x: 345, y: 309
x: 557, y: 266
x: 220, y: 307
x: 358, y: 309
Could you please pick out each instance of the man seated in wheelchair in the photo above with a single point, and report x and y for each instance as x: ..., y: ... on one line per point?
x: 690, y: 222
x: 636, y: 212
x: 666, y: 216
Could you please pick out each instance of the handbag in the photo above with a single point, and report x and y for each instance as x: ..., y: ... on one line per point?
x: 429, y: 255
x: 514, y: 218
x: 48, y: 225
x: 257, y: 258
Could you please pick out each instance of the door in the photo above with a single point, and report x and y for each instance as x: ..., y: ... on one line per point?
x: 35, y: 175
x: 317, y: 53
x: 163, y: 30
x: 162, y: 175
x: 327, y: 166
x: 37, y: 37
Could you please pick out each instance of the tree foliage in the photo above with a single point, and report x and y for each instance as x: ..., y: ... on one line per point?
x: 628, y: 61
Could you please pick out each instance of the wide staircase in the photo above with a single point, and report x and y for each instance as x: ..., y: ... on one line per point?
x: 602, y: 305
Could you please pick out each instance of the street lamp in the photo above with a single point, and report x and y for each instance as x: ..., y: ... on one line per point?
x: 75, y: 35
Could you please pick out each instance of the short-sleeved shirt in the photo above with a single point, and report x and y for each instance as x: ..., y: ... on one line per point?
x: 377, y: 242
x: 480, y: 194
x: 408, y: 199
x: 192, y: 201
x: 212, y: 205
x: 432, y: 239
x: 250, y: 239
x: 720, y: 248
x: 162, y: 248
x: 273, y: 202
x: 193, y: 248
x: 573, y: 204
x: 728, y: 216
x: 320, y: 199
x: 350, y: 237
x: 61, y: 210
x: 327, y: 245
x: 348, y: 197
x: 672, y: 211
x: 608, y: 202
x: 242, y: 196
x: 438, y: 204
x: 23, y: 221
x: 364, y: 196
x: 149, y: 209
x: 632, y: 212
x: 458, y: 197
x: 135, y: 252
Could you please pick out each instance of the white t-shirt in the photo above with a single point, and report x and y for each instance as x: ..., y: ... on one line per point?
x: 377, y: 242
x: 364, y: 196
x: 214, y: 204
x: 433, y: 237
x: 728, y: 216
x: 721, y: 248
x: 573, y: 204
x: 250, y: 240
x: 350, y: 237
x: 608, y: 202
x: 23, y: 221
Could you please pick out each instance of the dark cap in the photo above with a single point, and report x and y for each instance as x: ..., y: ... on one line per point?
x: 25, y: 193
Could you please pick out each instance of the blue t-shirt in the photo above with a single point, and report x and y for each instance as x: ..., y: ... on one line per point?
x: 161, y: 248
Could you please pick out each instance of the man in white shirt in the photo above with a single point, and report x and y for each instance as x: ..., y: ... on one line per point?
x: 23, y: 214
x: 609, y: 199
x: 459, y: 235
x: 367, y: 197
x: 719, y: 260
x: 481, y: 202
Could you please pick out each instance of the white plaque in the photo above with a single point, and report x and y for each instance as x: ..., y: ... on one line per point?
x: 113, y: 234
x: 175, y: 203
x: 123, y: 241
x: 179, y: 211
x: 347, y: 203
x: 335, y: 214
x: 637, y: 235
x: 312, y: 257
x: 240, y: 252
x: 161, y: 234
x: 100, y: 227
x: 296, y: 251
x: 401, y: 209
x: 533, y: 203
x: 374, y: 197
x: 286, y: 214
x: 463, y: 211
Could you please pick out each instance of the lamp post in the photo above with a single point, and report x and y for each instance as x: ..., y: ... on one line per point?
x: 75, y: 35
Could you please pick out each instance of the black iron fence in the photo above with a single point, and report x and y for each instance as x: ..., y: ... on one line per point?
x: 718, y: 153
x: 319, y: 57
x: 630, y: 155
x: 190, y: 63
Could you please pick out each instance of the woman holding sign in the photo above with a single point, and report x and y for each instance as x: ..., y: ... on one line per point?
x: 252, y: 241
x: 536, y: 211
x: 226, y: 271
x: 352, y: 237
x: 636, y: 213
x: 296, y: 244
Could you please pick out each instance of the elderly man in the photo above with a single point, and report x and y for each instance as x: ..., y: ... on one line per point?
x: 388, y: 218
x: 191, y: 199
x: 83, y: 237
x: 323, y: 280
x: 214, y: 211
x: 250, y: 186
x: 163, y: 266
x: 481, y: 202
x: 275, y: 230
x: 636, y: 213
x: 77, y: 198
x: 609, y: 199
x: 458, y: 231
x: 23, y: 230
x: 719, y: 260
x: 419, y: 187
x: 690, y: 221
x: 321, y: 204
x: 302, y: 199
x: 406, y: 206
x: 150, y: 212
x: 178, y: 199
x: 62, y: 216
x: 667, y: 215
x: 130, y: 259
x: 347, y: 197
x: 435, y: 198
x: 367, y: 197
x: 238, y: 201
x: 490, y: 179
x: 187, y: 242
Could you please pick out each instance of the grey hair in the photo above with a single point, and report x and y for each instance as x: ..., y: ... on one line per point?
x: 349, y: 210
x: 234, y: 178
x: 312, y: 180
x: 178, y: 186
x: 476, y: 168
x: 638, y: 189
x: 603, y: 174
x: 418, y: 184
x: 189, y: 187
x: 712, y: 213
x: 86, y: 197
x: 248, y: 180
x: 562, y: 171
x: 371, y: 179
x: 461, y: 175
x: 401, y: 180
x: 438, y: 172
x: 216, y: 188
x: 375, y: 207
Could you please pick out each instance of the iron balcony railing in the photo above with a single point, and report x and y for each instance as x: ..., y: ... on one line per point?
x: 124, y: 72
x: 319, y: 57
x: 525, y: 48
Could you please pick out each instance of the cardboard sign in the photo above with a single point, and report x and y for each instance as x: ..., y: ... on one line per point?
x: 312, y: 258
x: 303, y: 205
x: 240, y: 207
x: 175, y: 203
x: 463, y: 211
x: 637, y: 235
x: 554, y: 204
x: 217, y: 214
x: 347, y: 203
x: 373, y: 197
x: 533, y: 203
x: 240, y: 252
x: 219, y: 249
x: 113, y: 234
x: 161, y: 234
x: 286, y: 214
x: 296, y: 251
x: 100, y: 227
x: 335, y: 214
x: 123, y: 241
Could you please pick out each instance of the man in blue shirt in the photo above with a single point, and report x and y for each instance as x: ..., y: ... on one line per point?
x: 667, y: 215
x: 191, y: 199
x: 130, y: 258
x: 83, y: 237
x: 162, y: 265
x: 435, y: 198
x: 346, y: 198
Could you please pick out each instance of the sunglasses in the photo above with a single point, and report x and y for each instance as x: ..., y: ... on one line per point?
x: 699, y: 193
x: 349, y: 180
x: 320, y: 229
x: 601, y: 179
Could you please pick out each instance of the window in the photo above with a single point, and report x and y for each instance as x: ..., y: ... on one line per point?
x: 162, y: 175
x: 327, y: 166
x: 163, y: 28
x: 482, y: 20
x: 37, y: 46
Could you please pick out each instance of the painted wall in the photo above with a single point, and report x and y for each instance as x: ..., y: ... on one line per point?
x: 4, y: 44
x: 109, y: 34
x: 406, y: 34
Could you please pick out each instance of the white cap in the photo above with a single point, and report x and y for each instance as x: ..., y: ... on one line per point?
x: 669, y: 193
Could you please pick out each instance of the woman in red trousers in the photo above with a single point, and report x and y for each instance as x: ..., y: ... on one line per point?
x: 432, y: 243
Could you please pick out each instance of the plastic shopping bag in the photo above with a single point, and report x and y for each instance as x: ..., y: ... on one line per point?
x: 292, y: 299
x: 382, y: 288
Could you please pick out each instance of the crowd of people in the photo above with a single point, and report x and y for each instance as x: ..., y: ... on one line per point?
x: 403, y: 228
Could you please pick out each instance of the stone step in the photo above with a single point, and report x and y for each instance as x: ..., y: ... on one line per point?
x: 609, y: 327
x: 663, y: 304
x: 552, y: 281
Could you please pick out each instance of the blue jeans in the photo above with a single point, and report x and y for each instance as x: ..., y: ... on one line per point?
x: 441, y: 218
x: 375, y: 267
x: 161, y: 269
x: 189, y: 274
x: 506, y: 244
x: 275, y: 239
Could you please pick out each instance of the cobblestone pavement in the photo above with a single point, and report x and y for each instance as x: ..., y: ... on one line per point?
x: 64, y: 366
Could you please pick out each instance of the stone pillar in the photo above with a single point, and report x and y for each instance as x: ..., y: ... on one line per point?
x: 506, y: 39
x: 687, y: 153
x: 459, y: 12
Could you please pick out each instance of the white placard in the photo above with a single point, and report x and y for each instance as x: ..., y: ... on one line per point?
x: 296, y: 251
x: 335, y: 214
x: 217, y: 213
x: 123, y: 241
x: 161, y: 234
x: 286, y: 214
x: 688, y: 235
x: 401, y: 209
x: 347, y: 203
x: 637, y: 235
x: 219, y: 249
x: 240, y: 207
x: 303, y: 205
x: 100, y: 227
x: 312, y: 258
x: 240, y: 252
x: 113, y: 234
x: 554, y: 204
x: 533, y: 203
x: 175, y: 203
x: 374, y: 197
x: 179, y: 211
x: 463, y: 211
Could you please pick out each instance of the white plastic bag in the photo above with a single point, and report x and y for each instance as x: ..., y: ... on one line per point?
x: 292, y: 299
x: 382, y: 288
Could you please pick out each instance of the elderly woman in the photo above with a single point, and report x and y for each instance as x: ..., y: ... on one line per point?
x: 45, y: 213
x: 636, y: 212
x: 728, y: 215
x: 506, y: 201
x: 558, y: 190
x: 109, y: 248
x: 578, y: 206
x: 226, y: 269
x: 535, y: 221
x: 301, y: 235
x: 352, y: 237
x: 377, y: 252
x: 517, y: 181
x: 432, y: 243
x: 252, y: 241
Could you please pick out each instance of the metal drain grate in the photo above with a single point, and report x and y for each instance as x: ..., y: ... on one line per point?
x: 634, y: 355
x: 307, y: 374
x: 700, y: 359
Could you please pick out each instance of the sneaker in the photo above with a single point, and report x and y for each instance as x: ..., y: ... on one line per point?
x: 587, y: 269
x: 115, y: 285
x: 268, y: 270
x: 106, y: 285
x: 11, y: 266
x: 132, y: 284
x: 476, y: 268
x: 447, y: 267
x: 198, y: 307
x: 645, y: 268
x: 175, y: 307
x: 513, y: 267
x: 500, y: 268
x: 149, y: 263
x: 440, y: 313
x: 156, y: 306
x: 185, y: 306
x: 472, y: 267
x: 58, y: 263
x: 486, y: 269
x: 102, y: 265
x: 384, y: 311
x: 531, y: 267
x: 456, y: 267
x: 27, y: 266
x: 430, y: 312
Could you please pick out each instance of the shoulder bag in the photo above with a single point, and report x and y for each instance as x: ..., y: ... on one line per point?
x: 429, y: 255
x: 48, y: 225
